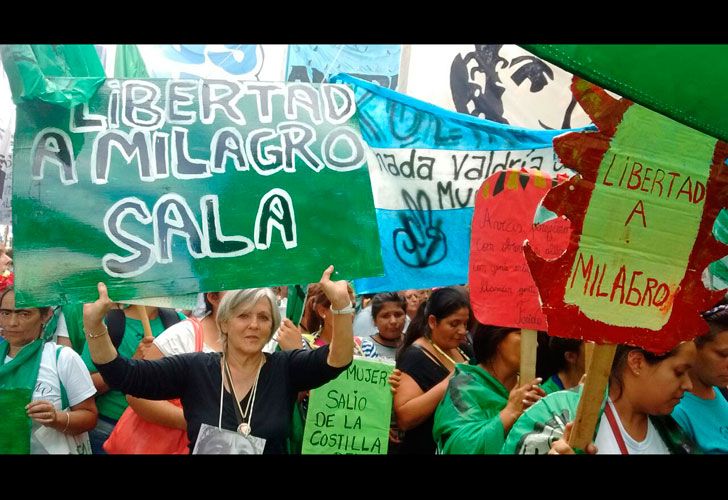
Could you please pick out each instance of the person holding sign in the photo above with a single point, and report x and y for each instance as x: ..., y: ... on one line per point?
x: 703, y: 412
x: 435, y: 343
x: 483, y: 401
x: 46, y: 393
x: 643, y: 390
x: 190, y: 335
x: 242, y: 389
x: 128, y: 334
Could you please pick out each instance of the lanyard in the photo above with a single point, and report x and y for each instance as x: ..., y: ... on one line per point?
x: 615, y: 429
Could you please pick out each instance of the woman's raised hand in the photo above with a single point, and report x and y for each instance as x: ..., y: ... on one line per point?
x: 94, y: 312
x: 336, y: 291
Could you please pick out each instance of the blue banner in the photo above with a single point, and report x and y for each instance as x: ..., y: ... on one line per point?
x: 426, y: 165
x: 373, y: 63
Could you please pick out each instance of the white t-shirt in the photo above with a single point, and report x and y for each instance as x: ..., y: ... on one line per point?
x: 61, y: 327
x: 79, y: 387
x: 607, y: 443
x: 179, y: 339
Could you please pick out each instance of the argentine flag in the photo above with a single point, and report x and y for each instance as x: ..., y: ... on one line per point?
x: 426, y: 165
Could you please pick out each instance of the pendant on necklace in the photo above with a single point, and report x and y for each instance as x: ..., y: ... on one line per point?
x: 244, y: 429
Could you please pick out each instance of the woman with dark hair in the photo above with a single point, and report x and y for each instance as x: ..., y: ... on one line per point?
x: 567, y: 359
x: 434, y: 344
x: 643, y: 390
x: 483, y: 401
x: 703, y: 412
x: 389, y: 313
x: 46, y: 394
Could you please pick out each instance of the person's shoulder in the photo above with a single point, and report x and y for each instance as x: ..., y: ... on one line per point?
x: 63, y: 354
x: 182, y: 328
x: 198, y: 358
x: 411, y: 356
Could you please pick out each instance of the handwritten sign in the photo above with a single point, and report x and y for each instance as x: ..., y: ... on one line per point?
x: 642, y: 213
x: 168, y: 187
x: 351, y: 414
x: 502, y: 291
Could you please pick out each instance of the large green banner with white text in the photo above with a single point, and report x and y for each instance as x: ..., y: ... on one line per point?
x: 167, y: 187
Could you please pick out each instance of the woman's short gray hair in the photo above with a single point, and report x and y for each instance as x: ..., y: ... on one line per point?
x: 239, y: 301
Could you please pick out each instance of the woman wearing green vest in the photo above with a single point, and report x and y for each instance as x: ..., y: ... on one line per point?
x: 46, y: 393
x: 483, y: 401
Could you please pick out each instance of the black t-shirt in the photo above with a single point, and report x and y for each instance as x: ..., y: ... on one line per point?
x: 427, y: 373
x: 196, y: 379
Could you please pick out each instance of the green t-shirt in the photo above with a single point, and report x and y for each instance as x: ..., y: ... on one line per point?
x: 113, y: 403
x: 552, y: 385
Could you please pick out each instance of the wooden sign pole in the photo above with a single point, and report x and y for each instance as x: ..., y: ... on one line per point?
x: 529, y: 343
x: 144, y: 317
x: 592, y: 396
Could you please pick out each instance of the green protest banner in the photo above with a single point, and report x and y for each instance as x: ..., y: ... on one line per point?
x: 351, y: 414
x: 167, y: 187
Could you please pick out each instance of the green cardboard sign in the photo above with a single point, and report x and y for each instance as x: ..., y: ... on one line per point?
x: 351, y: 414
x: 166, y: 187
x: 649, y: 206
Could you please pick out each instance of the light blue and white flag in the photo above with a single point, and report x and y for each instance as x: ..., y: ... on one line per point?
x: 316, y: 63
x: 426, y: 165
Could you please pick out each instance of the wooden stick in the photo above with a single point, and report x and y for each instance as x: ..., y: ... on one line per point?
x: 588, y: 354
x: 529, y: 343
x: 592, y: 396
x: 142, y: 311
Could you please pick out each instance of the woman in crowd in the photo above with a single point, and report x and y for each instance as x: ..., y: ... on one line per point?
x: 127, y: 332
x: 241, y: 389
x: 191, y: 335
x: 567, y: 361
x: 388, y: 312
x: 703, y: 412
x: 434, y: 344
x: 43, y: 382
x: 413, y: 299
x: 643, y: 390
x: 318, y: 322
x: 483, y: 401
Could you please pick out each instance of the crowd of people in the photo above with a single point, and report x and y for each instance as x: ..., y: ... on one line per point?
x: 235, y: 377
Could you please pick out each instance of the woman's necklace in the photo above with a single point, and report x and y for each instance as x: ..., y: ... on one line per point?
x: 244, y: 427
x: 437, y: 348
x: 387, y: 342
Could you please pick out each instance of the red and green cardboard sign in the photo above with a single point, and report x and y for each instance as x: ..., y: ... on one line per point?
x: 642, y: 212
x: 167, y: 187
x: 502, y: 291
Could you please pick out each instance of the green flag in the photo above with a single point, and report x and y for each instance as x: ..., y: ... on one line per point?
x: 129, y: 63
x: 683, y: 82
x: 65, y: 75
